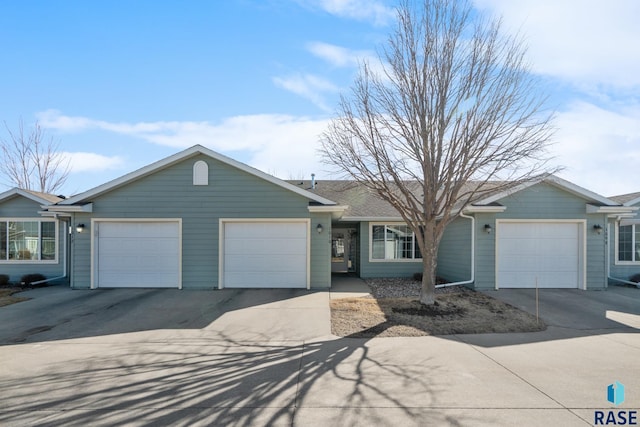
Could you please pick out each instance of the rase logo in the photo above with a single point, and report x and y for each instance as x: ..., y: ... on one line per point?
x: 615, y: 395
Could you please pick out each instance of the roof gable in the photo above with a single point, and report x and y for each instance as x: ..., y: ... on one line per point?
x: 563, y: 184
x: 185, y: 154
x: 36, y: 196
x: 627, y: 199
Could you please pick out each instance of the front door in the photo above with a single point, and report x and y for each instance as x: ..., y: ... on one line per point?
x: 339, y: 251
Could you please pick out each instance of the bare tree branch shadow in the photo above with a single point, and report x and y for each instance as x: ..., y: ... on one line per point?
x: 223, y: 382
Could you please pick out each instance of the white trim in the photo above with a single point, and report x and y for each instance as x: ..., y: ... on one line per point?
x: 185, y: 154
x: 616, y: 259
x: 484, y: 209
x: 593, y: 209
x: 87, y: 207
x: 94, y: 241
x: 34, y: 261
x: 582, y: 240
x: 391, y: 260
x: 332, y: 208
x: 221, y: 237
x: 388, y: 219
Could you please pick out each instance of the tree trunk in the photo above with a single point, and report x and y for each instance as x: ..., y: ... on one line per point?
x: 428, y: 291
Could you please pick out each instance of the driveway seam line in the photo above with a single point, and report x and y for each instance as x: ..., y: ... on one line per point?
x: 520, y: 378
x: 295, y: 399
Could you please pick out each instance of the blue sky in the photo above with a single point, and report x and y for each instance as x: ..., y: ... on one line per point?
x: 121, y: 84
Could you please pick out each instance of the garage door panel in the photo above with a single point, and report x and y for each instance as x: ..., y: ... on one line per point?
x: 138, y: 254
x: 546, y: 252
x: 265, y: 255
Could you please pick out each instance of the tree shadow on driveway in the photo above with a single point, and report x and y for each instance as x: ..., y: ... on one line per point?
x: 221, y: 382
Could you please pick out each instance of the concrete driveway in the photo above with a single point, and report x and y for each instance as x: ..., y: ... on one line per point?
x: 158, y: 357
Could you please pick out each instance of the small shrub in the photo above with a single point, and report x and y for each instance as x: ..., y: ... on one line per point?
x: 28, y: 279
x: 4, y: 280
x: 635, y: 278
x: 417, y: 277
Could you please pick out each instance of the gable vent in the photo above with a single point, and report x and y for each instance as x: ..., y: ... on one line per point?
x: 200, y: 173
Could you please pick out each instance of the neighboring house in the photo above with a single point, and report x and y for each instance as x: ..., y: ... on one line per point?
x: 548, y: 233
x: 200, y: 220
x: 624, y: 251
x: 30, y: 243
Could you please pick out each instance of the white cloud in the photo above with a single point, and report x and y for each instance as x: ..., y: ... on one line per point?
x: 308, y: 86
x: 91, y: 162
x: 338, y: 56
x: 587, y: 42
x: 278, y: 144
x: 599, y: 147
x: 362, y: 10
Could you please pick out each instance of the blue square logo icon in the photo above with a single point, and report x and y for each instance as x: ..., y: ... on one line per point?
x: 615, y: 393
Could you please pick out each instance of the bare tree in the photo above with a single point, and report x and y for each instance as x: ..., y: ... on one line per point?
x: 31, y: 160
x: 454, y: 115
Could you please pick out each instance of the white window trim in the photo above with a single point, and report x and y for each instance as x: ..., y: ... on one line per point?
x: 617, y: 260
x: 33, y: 261
x: 393, y: 260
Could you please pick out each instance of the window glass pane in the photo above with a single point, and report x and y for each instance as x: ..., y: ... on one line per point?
x: 48, y: 236
x: 625, y: 236
x: 377, y: 242
x: 399, y: 242
x: 3, y: 240
x: 23, y: 240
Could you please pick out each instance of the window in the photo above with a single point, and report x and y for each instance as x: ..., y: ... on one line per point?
x: 629, y: 243
x: 33, y: 240
x: 393, y: 242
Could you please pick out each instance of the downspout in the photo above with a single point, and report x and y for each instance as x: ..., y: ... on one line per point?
x: 64, y: 251
x: 608, y: 261
x: 473, y: 256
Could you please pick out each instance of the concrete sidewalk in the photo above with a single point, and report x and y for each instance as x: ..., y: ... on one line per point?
x: 258, y: 363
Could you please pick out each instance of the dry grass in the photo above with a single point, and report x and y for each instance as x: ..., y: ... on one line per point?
x: 7, y: 298
x: 465, y: 312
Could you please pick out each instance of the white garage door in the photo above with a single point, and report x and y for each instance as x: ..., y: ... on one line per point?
x: 265, y: 255
x: 137, y: 255
x: 550, y: 253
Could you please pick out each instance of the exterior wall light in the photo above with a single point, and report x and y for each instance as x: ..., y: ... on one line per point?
x: 597, y: 228
x: 487, y: 228
x: 319, y: 228
x: 80, y: 228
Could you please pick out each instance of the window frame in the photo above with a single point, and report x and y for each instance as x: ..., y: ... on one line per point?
x: 617, y: 259
x: 399, y: 260
x: 39, y: 220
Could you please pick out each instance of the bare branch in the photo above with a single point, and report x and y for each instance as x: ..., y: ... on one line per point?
x: 32, y: 161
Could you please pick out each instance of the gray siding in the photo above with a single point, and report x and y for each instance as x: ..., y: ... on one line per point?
x: 454, y: 251
x: 231, y: 193
x: 382, y: 268
x: 21, y: 207
x: 541, y: 201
